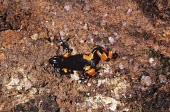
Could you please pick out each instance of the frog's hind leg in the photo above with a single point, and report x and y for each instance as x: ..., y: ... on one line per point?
x: 89, y: 71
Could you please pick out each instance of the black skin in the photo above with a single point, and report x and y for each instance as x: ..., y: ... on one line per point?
x: 75, y: 62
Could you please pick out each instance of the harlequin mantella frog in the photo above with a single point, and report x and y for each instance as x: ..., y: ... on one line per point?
x: 67, y: 63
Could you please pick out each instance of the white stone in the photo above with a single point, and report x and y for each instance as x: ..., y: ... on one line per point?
x: 129, y: 11
x: 111, y: 40
x: 34, y: 36
x: 146, y: 80
x: 151, y: 60
x: 121, y: 66
x: 67, y: 7
x: 108, y: 102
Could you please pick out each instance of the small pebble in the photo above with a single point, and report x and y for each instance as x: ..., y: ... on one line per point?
x: 88, y: 84
x: 52, y: 38
x: 90, y: 38
x: 88, y: 94
x: 34, y: 36
x: 156, y: 47
x: 168, y: 49
x: 162, y: 78
x: 121, y: 66
x: 103, y: 22
x: 88, y: 104
x: 27, y: 84
x: 100, y: 105
x: 111, y: 40
x: 116, y: 35
x: 67, y: 7
x: 95, y: 32
x: 146, y: 80
x: 129, y: 11
x: 87, y: 7
x: 75, y: 76
x: 62, y: 33
x: 124, y: 57
x: 152, y: 61
x: 12, y: 83
x: 124, y: 23
x: 105, y: 15
x: 85, y: 26
x: 53, y: 23
x: 2, y: 56
x: 82, y: 41
x: 66, y: 28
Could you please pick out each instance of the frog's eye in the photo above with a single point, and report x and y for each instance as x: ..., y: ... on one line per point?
x: 53, y: 60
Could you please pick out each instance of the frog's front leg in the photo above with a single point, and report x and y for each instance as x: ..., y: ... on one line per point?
x: 65, y: 71
x: 66, y: 49
x: 89, y: 71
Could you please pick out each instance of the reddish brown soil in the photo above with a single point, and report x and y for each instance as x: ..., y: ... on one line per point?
x: 138, y: 30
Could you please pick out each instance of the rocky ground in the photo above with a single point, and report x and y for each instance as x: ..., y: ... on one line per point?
x: 137, y: 81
